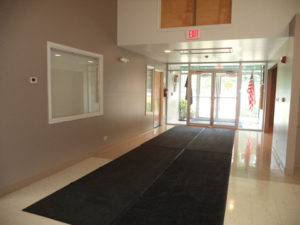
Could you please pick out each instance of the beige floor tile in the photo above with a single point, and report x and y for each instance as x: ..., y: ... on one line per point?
x: 11, y: 205
x: 258, y: 192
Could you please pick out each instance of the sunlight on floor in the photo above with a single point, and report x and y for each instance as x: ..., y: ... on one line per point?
x: 259, y: 193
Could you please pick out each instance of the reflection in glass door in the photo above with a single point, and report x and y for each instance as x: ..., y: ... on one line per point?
x: 225, y: 99
x: 213, y: 98
x: 200, y: 98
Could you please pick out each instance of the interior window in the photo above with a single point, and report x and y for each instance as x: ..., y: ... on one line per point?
x: 74, y: 83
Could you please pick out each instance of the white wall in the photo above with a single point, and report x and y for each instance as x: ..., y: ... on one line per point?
x: 283, y: 90
x: 286, y: 136
x: 138, y: 22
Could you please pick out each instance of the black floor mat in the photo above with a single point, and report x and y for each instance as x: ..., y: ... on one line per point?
x: 99, y: 197
x: 192, y: 192
x: 214, y: 140
x: 193, y: 189
x: 179, y: 177
x: 177, y: 137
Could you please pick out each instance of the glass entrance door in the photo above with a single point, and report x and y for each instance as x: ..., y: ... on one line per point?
x: 225, y: 99
x: 200, y: 98
x: 213, y: 98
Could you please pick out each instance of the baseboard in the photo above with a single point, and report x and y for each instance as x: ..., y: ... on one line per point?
x: 27, y: 181
x: 23, y: 183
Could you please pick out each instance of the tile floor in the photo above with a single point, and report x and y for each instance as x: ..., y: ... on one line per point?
x: 258, y: 194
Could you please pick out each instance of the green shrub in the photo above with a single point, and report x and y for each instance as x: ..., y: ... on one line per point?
x: 182, y: 109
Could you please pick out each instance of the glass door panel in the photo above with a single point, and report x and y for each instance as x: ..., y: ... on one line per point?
x: 251, y: 118
x: 177, y: 102
x: 225, y: 99
x: 200, y: 101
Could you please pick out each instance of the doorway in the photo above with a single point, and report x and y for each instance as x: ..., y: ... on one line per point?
x: 270, y: 99
x: 212, y: 98
x: 230, y: 95
x: 157, y: 98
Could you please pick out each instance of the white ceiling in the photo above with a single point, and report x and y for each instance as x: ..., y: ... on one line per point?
x: 259, y: 49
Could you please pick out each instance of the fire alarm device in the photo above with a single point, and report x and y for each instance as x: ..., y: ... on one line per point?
x: 166, y: 92
x: 283, y: 59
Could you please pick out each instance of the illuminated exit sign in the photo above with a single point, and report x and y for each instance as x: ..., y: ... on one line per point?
x: 193, y: 34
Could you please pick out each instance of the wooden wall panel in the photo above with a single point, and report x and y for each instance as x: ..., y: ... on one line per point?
x: 177, y: 13
x: 209, y: 12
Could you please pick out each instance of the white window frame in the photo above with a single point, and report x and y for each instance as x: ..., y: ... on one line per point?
x: 51, y: 120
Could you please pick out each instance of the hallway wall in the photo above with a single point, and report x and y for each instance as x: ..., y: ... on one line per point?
x: 294, y: 142
x: 283, y: 90
x: 139, y: 22
x: 286, y: 134
x: 29, y: 146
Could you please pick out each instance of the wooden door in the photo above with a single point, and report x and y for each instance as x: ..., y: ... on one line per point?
x: 270, y: 101
x: 157, y: 96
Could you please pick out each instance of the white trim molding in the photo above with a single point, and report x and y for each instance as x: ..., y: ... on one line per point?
x: 100, y: 111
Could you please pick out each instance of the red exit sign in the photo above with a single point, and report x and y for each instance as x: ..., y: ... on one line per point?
x: 193, y: 34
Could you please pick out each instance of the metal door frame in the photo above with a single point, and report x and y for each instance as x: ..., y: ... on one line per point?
x: 213, y: 73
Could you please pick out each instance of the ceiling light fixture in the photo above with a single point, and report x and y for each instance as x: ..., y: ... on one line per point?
x: 204, y: 51
x: 184, y: 52
x: 167, y: 51
x: 57, y: 55
x: 90, y: 61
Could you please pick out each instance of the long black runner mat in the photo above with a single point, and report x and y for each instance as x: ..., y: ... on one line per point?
x: 193, y: 189
x: 147, y: 181
x: 214, y: 140
x: 103, y: 194
x: 177, y: 137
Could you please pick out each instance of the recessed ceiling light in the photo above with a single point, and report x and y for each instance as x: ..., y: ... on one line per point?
x: 167, y: 51
x: 57, y: 55
x: 184, y: 52
x: 90, y: 61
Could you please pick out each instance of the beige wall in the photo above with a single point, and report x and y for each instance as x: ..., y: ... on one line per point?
x: 282, y: 108
x: 138, y: 22
x: 286, y: 137
x: 30, y: 146
x: 293, y: 156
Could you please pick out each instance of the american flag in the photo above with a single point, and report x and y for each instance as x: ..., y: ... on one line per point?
x: 251, y: 93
